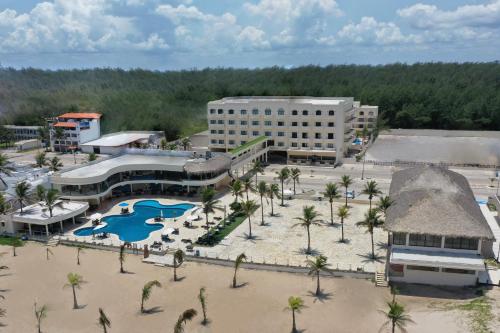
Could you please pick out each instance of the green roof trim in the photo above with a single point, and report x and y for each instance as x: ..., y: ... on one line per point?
x: 255, y: 141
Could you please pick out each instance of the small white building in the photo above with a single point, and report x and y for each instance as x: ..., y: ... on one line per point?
x: 438, y: 234
x: 77, y: 128
x: 115, y: 143
x: 27, y: 144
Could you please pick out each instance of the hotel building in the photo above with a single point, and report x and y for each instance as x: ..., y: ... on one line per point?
x: 297, y: 128
x: 77, y: 128
x: 365, y: 116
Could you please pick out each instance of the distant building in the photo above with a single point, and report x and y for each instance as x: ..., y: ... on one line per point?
x: 438, y: 234
x: 24, y: 132
x: 77, y: 128
x: 115, y: 143
x: 27, y: 144
x: 365, y: 116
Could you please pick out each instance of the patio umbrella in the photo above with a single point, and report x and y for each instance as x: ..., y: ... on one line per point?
x: 96, y: 216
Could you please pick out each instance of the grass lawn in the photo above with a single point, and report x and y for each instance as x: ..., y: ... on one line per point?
x: 11, y: 241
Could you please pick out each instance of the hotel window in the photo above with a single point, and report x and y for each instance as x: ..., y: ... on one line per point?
x: 231, y: 142
x: 361, y: 113
x: 243, y: 132
x: 281, y: 112
x: 281, y: 133
x: 295, y: 113
x: 231, y: 111
x: 220, y: 111
x: 318, y: 112
x: 231, y: 132
x: 268, y: 133
x: 294, y: 135
x: 425, y: 240
x: 399, y: 238
x: 243, y: 112
x: 281, y: 123
x: 305, y: 124
x: 221, y: 132
x: 294, y: 144
x: 461, y: 243
x: 230, y: 122
x: 255, y: 123
x: 305, y: 112
x: 221, y: 142
x: 317, y: 135
x: 331, y: 136
x: 220, y: 122
x: 331, y: 113
x: 214, y: 142
x: 267, y: 112
x: 304, y: 135
x: 255, y: 133
x: 281, y: 144
x: 243, y: 122
x: 255, y: 111
x: 268, y: 123
x: 422, y: 268
x: 370, y: 113
x: 330, y: 146
x: 458, y: 271
x: 212, y: 111
x: 213, y: 121
x: 213, y: 132
x: 318, y: 124
x: 331, y: 124
x: 304, y: 145
x: 317, y: 145
x: 242, y: 142
x: 294, y: 123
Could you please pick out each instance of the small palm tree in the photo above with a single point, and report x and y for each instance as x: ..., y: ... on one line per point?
x: 5, y: 168
x: 257, y: 168
x: 41, y: 159
x: 396, y: 317
x: 78, y: 251
x: 3, y: 205
x: 146, y: 292
x: 249, y: 207
x: 74, y: 281
x: 283, y: 176
x: 295, y: 175
x: 371, y: 190
x: 345, y: 182
x: 262, y: 190
x: 51, y: 200
x: 121, y: 258
x: 40, y: 314
x: 331, y: 193
x: 178, y: 260
x: 172, y: 146
x: 92, y: 157
x: 273, y: 192
x: 239, y: 260
x: 371, y: 221
x: 186, y: 143
x: 49, y: 253
x: 22, y: 191
x: 236, y: 189
x: 316, y: 266
x: 59, y: 135
x: 384, y: 203
x: 186, y: 316
x: 209, y: 203
x: 295, y: 304
x: 247, y: 185
x: 55, y: 164
x: 163, y: 144
x: 309, y: 218
x: 342, y: 214
x: 40, y: 193
x: 203, y: 302
x: 103, y: 321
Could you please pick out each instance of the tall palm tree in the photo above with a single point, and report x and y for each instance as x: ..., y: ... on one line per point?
x: 5, y: 168
x: 239, y: 260
x: 273, y: 191
x: 51, y: 200
x: 146, y: 292
x: 209, y: 203
x: 249, y: 207
x: 40, y: 314
x: 121, y: 258
x: 331, y: 193
x: 396, y: 317
x: 283, y: 176
x: 247, y: 185
x: 295, y: 175
x: 384, y: 203
x: 178, y: 260
x: 236, y: 189
x: 262, y: 190
x: 55, y: 164
x: 22, y: 191
x: 78, y: 251
x: 345, y: 182
x: 74, y: 281
x: 295, y: 304
x: 203, y: 302
x: 103, y: 321
x: 41, y: 159
x: 316, y: 266
x: 371, y: 221
x: 257, y: 168
x: 40, y: 193
x: 342, y: 214
x: 59, y: 135
x: 186, y: 316
x: 309, y: 218
x: 371, y: 189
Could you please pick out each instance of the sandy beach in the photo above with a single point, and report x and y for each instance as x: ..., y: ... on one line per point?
x: 351, y: 305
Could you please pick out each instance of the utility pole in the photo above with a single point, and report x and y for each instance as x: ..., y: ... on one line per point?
x: 363, y: 171
x: 498, y: 182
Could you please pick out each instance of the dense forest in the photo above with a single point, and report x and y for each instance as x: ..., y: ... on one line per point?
x: 432, y: 95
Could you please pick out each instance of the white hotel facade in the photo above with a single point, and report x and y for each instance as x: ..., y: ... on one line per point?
x: 319, y: 128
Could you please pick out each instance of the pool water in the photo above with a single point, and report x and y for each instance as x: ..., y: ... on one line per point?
x: 133, y: 227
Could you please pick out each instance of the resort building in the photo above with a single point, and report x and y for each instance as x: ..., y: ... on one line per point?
x: 297, y: 128
x: 140, y: 171
x: 115, y: 143
x: 24, y: 132
x: 77, y: 128
x: 365, y: 116
x: 438, y: 234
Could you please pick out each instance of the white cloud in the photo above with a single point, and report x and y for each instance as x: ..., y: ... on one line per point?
x: 182, y: 13
x: 292, y: 9
x: 252, y: 37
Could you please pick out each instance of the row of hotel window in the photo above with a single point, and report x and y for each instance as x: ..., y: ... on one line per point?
x: 268, y: 123
x: 268, y: 112
x: 279, y: 144
x: 293, y: 135
x: 443, y: 269
x: 435, y: 241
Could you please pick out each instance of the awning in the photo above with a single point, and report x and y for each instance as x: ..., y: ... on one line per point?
x: 432, y: 258
x: 95, y: 216
x: 65, y: 124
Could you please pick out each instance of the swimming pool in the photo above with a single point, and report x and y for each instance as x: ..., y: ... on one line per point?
x: 133, y: 227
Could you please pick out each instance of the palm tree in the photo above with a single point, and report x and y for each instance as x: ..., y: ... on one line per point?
x: 59, y: 135
x: 295, y: 304
x: 209, y: 203
x: 40, y: 314
x: 185, y: 142
x: 5, y: 168
x: 51, y: 199
x: 171, y: 146
x: 239, y: 260
x: 22, y: 190
x: 384, y: 203
x: 273, y: 191
x: 236, y: 189
x: 49, y: 253
x: 203, y: 301
x: 40, y: 193
x: 247, y: 185
x: 345, y: 182
x: 92, y: 157
x: 163, y: 144
x: 55, y: 164
x: 262, y: 190
x: 283, y: 175
x: 371, y: 189
x: 342, y: 213
x: 371, y: 221
x: 257, y: 168
x: 294, y: 175
x: 103, y: 321
x: 74, y: 281
x: 316, y: 266
x: 41, y: 159
x: 396, y: 317
x: 249, y: 207
x: 331, y: 192
x: 183, y: 319
x: 3, y: 205
x: 309, y: 218
x: 146, y: 292
x: 121, y: 258
x: 178, y: 260
x: 78, y: 251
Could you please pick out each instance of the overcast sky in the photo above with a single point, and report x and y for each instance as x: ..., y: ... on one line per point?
x: 179, y: 34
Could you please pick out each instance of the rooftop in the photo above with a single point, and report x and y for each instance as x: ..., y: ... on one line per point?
x: 39, y: 213
x: 81, y: 115
x: 120, y: 138
x: 446, y: 259
x: 284, y: 99
x: 65, y: 124
x: 432, y: 200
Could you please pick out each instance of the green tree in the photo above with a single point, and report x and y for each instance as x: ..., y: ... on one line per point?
x: 74, y: 281
x: 5, y: 168
x: 342, y: 213
x: 59, y: 135
x: 103, y: 321
x: 331, y: 193
x: 257, y: 168
x: 370, y: 222
x: 92, y: 157
x: 55, y: 164
x: 186, y: 316
x: 371, y: 190
x: 3, y: 204
x: 247, y: 185
x: 309, y: 218
x: 249, y: 207
x: 345, y: 182
x: 41, y: 159
x: 178, y: 260
x: 209, y: 204
x: 295, y: 304
x: 262, y: 190
x: 273, y: 192
x: 22, y: 193
x: 283, y: 176
x: 236, y: 189
x: 203, y: 302
x: 40, y: 193
x: 316, y: 266
x: 185, y: 143
x: 396, y: 317
x: 163, y: 144
x: 146, y: 292
x: 237, y: 263
x: 40, y: 314
x: 121, y: 258
x: 384, y: 203
x: 295, y: 176
x: 51, y: 200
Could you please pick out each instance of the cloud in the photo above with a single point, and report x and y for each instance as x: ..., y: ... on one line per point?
x: 292, y: 9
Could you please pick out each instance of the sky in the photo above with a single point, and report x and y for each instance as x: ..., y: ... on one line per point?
x: 186, y: 34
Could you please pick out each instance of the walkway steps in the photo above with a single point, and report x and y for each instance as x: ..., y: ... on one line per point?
x: 53, y: 242
x: 380, y: 280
